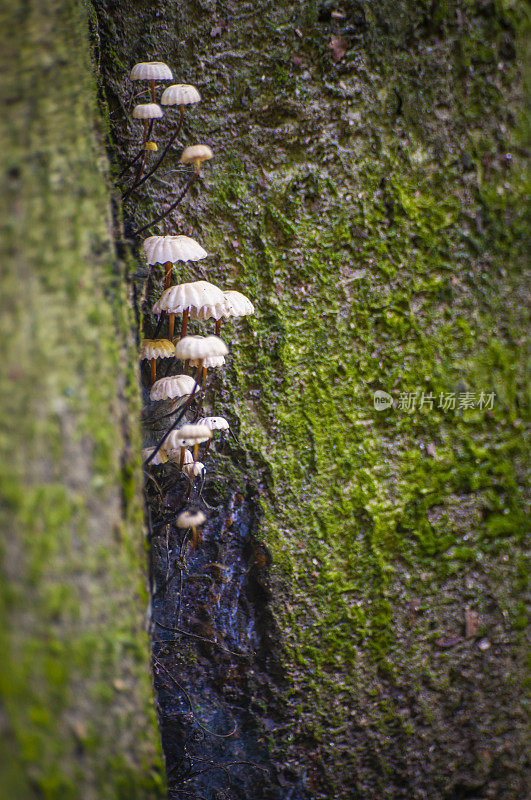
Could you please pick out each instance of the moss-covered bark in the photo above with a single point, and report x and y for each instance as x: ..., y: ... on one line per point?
x: 372, y: 207
x: 77, y: 711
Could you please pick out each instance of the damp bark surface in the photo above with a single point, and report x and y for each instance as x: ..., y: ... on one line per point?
x: 367, y: 192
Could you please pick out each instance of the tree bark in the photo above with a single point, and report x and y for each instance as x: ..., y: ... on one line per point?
x: 77, y: 709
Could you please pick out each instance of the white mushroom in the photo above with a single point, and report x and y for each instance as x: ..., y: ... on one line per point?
x: 174, y: 453
x: 236, y: 305
x: 168, y: 250
x: 196, y: 154
x: 180, y: 94
x: 198, y: 349
x: 214, y: 424
x: 147, y: 111
x: 190, y: 435
x: 191, y: 518
x: 151, y: 71
x: 193, y: 470
x: 172, y: 387
x: 186, y: 298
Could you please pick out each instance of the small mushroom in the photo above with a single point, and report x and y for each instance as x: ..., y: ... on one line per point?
x: 175, y: 386
x: 156, y: 348
x: 187, y: 436
x: 151, y: 71
x: 168, y: 250
x: 160, y: 457
x: 196, y: 154
x: 184, y: 298
x: 174, y: 453
x: 214, y: 424
x: 191, y: 518
x: 145, y: 112
x: 198, y: 348
x: 194, y: 470
x: 236, y: 305
x: 179, y: 94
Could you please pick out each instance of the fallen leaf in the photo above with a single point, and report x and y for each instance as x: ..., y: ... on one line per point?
x: 339, y: 46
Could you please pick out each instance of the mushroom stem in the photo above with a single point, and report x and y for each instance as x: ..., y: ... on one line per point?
x: 195, y: 538
x: 218, y: 326
x: 152, y: 84
x: 207, y: 447
x: 184, y: 324
x: 196, y: 451
x: 171, y: 324
x: 174, y: 205
x: 159, y: 161
x: 181, y: 458
x: 168, y: 266
x: 153, y: 370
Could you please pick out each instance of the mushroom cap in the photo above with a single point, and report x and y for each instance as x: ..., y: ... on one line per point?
x: 211, y: 361
x: 147, y: 111
x: 161, y: 249
x: 197, y: 152
x: 194, y: 296
x: 237, y: 304
x: 194, y: 469
x: 180, y: 94
x: 190, y: 517
x: 174, y: 453
x: 157, y: 348
x: 214, y: 423
x: 160, y: 458
x: 151, y: 71
x: 216, y: 310
x: 174, y: 386
x: 187, y: 436
x: 200, y: 347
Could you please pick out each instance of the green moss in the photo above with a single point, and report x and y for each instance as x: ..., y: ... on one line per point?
x: 72, y: 594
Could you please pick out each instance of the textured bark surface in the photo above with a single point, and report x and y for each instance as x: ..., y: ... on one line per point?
x: 77, y: 716
x: 367, y: 193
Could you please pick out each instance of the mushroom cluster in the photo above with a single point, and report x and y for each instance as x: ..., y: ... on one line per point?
x: 195, y: 301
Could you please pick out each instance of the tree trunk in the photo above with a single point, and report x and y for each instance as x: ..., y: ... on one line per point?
x: 77, y: 709
x: 366, y: 192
